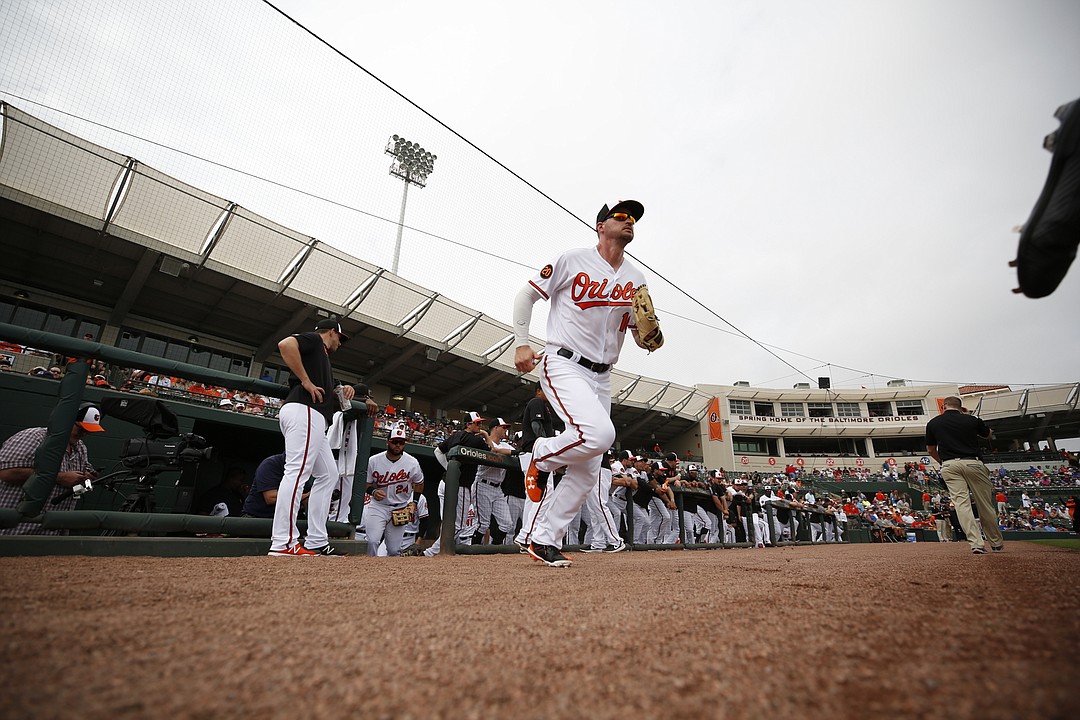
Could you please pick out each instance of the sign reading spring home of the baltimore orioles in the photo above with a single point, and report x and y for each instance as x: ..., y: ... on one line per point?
x: 810, y: 421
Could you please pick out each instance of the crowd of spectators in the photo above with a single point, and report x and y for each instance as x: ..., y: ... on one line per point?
x: 174, y: 388
x: 421, y: 429
x: 890, y: 515
x: 1042, y: 517
x: 1038, y: 476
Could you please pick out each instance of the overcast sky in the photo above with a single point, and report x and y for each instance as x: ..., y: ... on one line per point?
x: 839, y: 180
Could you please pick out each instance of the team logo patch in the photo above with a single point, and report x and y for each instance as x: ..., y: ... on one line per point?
x: 546, y: 272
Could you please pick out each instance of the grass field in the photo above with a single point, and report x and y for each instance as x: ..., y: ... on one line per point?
x: 1070, y: 543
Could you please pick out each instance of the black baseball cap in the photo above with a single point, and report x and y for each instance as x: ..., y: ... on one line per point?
x: 632, y: 207
x: 671, y: 456
x: 331, y: 324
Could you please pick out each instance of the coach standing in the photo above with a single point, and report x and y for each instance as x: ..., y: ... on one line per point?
x: 304, y: 417
x: 952, y: 439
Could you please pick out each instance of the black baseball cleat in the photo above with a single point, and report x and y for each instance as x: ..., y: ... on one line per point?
x: 329, y: 551
x: 621, y: 547
x: 549, y: 555
x: 1049, y: 239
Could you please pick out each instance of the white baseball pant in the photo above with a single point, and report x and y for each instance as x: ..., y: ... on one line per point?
x: 582, y: 399
x: 673, y: 529
x: 465, y: 521
x: 516, y: 508
x: 380, y: 529
x: 660, y: 521
x: 701, y: 522
x: 603, y: 528
x: 642, y: 528
x: 686, y: 524
x: 761, y: 529
x: 490, y: 500
x: 715, y: 527
x: 780, y: 532
x: 572, y: 534
x: 838, y: 531
x: 617, y: 507
x: 307, y: 454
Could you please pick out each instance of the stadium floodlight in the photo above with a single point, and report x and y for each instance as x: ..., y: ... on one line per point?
x: 412, y: 164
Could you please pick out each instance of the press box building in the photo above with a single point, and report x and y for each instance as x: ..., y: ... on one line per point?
x: 764, y: 429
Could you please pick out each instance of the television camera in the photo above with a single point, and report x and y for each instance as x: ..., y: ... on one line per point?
x: 162, y: 449
x: 148, y: 455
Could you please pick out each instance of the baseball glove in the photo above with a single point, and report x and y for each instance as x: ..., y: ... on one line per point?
x: 404, y: 516
x: 648, y: 327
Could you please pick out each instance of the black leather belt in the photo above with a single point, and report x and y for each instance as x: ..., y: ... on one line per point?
x: 492, y: 484
x: 594, y: 366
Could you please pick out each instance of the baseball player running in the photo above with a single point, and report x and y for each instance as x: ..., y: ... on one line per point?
x: 592, y: 295
x: 304, y: 417
x: 395, y: 482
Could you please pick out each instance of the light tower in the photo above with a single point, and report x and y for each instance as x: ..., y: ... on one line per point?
x: 412, y: 164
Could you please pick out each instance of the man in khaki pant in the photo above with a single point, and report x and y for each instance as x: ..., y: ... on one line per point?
x: 952, y: 439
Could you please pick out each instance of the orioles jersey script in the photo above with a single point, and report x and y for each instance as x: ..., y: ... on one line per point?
x: 394, y: 478
x: 591, y: 303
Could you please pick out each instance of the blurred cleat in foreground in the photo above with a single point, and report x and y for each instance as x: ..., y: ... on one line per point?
x: 1050, y: 237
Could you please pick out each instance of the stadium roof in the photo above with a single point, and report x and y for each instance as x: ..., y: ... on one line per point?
x: 89, y: 227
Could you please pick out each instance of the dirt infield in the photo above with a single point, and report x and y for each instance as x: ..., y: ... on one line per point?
x: 853, y: 631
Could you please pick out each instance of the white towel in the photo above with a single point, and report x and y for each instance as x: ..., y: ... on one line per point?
x: 342, y: 436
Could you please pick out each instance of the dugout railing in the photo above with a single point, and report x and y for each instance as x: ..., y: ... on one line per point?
x: 71, y: 389
x: 798, y: 519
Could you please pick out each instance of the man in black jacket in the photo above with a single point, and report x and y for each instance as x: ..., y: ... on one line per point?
x: 475, y: 436
x: 952, y: 439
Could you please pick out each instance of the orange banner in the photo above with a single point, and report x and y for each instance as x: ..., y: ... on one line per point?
x: 716, y: 432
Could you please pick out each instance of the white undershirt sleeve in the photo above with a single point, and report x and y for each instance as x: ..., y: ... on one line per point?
x: 523, y: 307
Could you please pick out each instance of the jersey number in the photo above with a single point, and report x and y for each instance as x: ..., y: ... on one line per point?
x: 625, y: 323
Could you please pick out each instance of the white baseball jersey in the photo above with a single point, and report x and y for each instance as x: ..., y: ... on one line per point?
x: 394, y: 478
x: 590, y: 303
x: 493, y: 475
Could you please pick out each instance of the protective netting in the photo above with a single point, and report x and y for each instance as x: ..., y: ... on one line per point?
x: 224, y: 135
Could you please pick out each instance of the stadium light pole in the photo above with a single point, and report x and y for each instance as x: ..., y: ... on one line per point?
x: 412, y: 164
